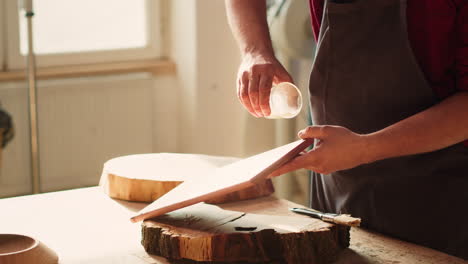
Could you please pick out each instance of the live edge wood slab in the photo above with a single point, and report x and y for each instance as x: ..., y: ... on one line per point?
x: 146, y: 177
x: 205, y: 233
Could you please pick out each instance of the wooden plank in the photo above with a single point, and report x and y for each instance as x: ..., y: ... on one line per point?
x: 230, y: 178
x: 147, y: 177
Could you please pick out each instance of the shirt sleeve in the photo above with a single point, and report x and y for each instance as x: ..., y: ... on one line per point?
x: 462, y: 48
x: 316, y: 10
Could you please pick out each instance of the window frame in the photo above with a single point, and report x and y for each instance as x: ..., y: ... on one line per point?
x: 15, y: 61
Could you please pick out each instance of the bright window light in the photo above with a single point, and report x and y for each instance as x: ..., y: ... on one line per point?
x: 69, y: 26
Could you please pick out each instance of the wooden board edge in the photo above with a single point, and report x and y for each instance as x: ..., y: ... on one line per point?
x: 283, y: 160
x: 153, y: 213
x: 123, y: 188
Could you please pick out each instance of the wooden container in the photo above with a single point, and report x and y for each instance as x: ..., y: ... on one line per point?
x: 20, y: 249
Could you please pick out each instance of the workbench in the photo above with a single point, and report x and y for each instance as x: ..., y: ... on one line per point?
x: 86, y: 226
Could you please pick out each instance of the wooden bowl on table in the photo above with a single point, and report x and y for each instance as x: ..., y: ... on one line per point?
x: 20, y: 249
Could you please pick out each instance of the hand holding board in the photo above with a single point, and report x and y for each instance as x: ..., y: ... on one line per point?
x: 230, y: 178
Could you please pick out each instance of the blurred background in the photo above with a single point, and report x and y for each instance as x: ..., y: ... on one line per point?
x: 119, y: 77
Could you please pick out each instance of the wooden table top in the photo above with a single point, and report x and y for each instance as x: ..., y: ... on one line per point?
x: 86, y: 226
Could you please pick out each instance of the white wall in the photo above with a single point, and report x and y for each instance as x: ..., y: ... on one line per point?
x: 212, y: 119
x: 82, y: 123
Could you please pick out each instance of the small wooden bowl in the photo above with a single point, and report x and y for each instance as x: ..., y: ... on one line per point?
x: 20, y: 249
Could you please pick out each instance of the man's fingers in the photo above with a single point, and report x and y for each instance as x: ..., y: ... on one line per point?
x: 264, y: 88
x: 239, y: 89
x: 299, y: 162
x: 254, y: 94
x: 281, y: 75
x: 244, y: 94
x: 318, y: 132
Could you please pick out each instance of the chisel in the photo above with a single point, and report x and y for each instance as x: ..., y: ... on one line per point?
x: 340, y: 219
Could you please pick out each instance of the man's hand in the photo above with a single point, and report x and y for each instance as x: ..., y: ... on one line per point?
x: 337, y: 148
x: 256, y: 75
x: 259, y: 68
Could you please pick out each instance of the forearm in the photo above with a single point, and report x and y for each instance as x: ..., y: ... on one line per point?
x: 247, y: 19
x: 440, y: 126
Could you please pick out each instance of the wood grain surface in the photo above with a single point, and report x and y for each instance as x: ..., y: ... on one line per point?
x: 209, y: 234
x: 146, y: 177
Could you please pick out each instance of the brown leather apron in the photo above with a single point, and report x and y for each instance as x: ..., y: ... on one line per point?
x: 365, y: 78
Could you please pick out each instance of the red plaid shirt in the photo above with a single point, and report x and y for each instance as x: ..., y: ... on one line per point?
x: 438, y: 33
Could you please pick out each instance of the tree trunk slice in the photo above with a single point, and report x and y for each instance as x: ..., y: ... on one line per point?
x: 146, y: 177
x: 205, y: 233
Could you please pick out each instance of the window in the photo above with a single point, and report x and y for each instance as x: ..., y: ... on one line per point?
x: 69, y: 32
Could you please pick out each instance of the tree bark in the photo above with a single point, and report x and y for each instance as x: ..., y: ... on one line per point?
x: 208, y: 234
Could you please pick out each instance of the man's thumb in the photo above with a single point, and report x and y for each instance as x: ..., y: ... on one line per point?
x: 312, y: 132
